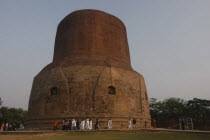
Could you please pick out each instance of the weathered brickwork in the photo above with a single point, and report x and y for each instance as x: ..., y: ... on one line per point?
x: 91, y: 53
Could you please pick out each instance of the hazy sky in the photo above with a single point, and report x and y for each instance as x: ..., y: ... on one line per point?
x: 169, y: 43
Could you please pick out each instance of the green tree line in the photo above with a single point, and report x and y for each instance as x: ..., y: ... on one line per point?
x: 12, y: 115
x: 177, y: 108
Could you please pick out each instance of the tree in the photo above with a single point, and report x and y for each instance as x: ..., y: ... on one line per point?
x: 174, y: 108
x: 154, y: 108
x: 171, y: 108
x: 198, y: 108
x: 1, y: 102
x: 0, y: 107
x: 12, y: 115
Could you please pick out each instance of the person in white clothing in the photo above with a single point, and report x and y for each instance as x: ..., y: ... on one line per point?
x: 7, y: 125
x: 82, y: 125
x: 129, y: 124
x: 109, y: 124
x: 21, y: 126
x: 87, y: 124
x: 74, y: 124
x: 90, y: 124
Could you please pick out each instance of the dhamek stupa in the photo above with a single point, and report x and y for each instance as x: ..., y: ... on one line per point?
x: 90, y: 76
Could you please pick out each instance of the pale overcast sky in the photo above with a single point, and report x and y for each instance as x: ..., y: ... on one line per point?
x: 169, y: 43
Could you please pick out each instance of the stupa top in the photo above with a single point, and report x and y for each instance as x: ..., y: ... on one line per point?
x: 91, y: 37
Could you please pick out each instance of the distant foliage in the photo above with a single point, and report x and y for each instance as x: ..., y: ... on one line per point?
x: 173, y: 109
x: 198, y: 108
x: 168, y: 109
x: 1, y: 102
x: 12, y: 115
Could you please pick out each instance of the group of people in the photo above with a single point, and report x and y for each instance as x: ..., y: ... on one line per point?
x: 132, y: 124
x: 76, y: 125
x: 87, y: 124
x: 11, y: 127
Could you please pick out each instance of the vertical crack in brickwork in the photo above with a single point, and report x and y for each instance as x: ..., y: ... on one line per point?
x: 111, y: 74
x: 67, y: 87
x: 94, y: 89
x: 45, y: 97
x: 140, y: 94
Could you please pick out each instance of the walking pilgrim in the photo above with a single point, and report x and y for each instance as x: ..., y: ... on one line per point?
x: 74, y: 124
x: 97, y: 124
x: 82, y: 125
x: 90, y: 124
x: 87, y: 124
x: 129, y: 124
x: 109, y: 124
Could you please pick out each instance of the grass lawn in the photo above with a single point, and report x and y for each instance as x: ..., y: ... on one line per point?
x: 109, y: 135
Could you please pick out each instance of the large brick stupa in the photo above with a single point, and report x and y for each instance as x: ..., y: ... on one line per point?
x: 90, y: 76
